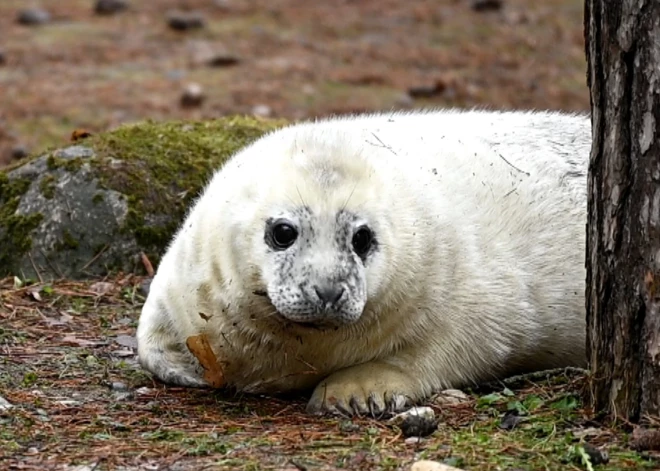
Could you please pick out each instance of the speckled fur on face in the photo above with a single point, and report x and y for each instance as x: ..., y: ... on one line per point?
x: 322, y: 255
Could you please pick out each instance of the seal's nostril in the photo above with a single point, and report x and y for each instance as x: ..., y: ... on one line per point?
x: 329, y: 294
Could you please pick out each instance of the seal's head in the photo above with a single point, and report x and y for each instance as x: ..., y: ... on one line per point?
x: 310, y: 235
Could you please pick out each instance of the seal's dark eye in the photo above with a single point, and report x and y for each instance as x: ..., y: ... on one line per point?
x: 283, y: 235
x: 362, y: 240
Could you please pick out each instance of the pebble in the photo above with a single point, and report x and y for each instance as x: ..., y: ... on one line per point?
x: 109, y: 7
x: 19, y: 152
x: 223, y: 60
x: 118, y: 386
x: 184, y: 21
x: 348, y: 426
x: 450, y: 397
x: 486, y: 5
x: 263, y: 111
x: 33, y: 16
x: 192, y: 96
x: 416, y: 422
x: 427, y: 465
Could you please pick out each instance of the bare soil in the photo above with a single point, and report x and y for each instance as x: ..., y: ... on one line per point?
x: 294, y: 60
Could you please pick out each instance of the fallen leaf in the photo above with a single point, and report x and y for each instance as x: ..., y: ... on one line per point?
x: 147, y: 264
x: 200, y: 347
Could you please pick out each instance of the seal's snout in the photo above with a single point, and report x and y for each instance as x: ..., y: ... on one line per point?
x: 329, y: 294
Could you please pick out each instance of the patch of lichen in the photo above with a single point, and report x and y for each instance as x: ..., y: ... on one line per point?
x: 161, y: 167
x: 14, y: 228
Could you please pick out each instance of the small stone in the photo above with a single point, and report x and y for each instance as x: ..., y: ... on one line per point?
x: 110, y: 7
x: 222, y: 60
x: 510, y: 420
x: 127, y: 341
x: 33, y: 16
x: 450, y: 397
x: 19, y: 152
x: 263, y: 111
x: 596, y: 455
x: 348, y: 427
x: 413, y: 440
x: 427, y: 465
x: 486, y: 5
x: 123, y: 396
x: 185, y: 21
x: 192, y: 96
x: 118, y: 386
x: 5, y: 404
x: 416, y: 422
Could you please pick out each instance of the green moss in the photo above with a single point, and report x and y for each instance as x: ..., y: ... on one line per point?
x: 71, y: 165
x: 68, y: 242
x: 47, y: 186
x: 97, y: 198
x: 165, y: 165
x: 14, y: 228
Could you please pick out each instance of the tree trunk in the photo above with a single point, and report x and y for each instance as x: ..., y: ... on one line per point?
x: 623, y: 229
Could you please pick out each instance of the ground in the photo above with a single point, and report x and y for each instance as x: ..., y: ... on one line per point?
x: 294, y: 60
x: 67, y: 362
x: 67, y: 365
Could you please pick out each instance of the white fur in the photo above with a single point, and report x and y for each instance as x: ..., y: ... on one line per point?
x: 480, y: 218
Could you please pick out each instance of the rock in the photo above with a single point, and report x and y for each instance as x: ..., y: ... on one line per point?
x: 596, y: 455
x: 91, y: 210
x: 19, y: 152
x: 263, y: 111
x: 510, y: 420
x: 486, y: 5
x: 185, y: 21
x: 416, y: 422
x: 426, y: 465
x: 450, y: 397
x: 192, y: 96
x: 110, y: 7
x: 33, y: 16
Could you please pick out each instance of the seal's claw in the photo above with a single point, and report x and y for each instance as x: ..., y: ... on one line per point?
x: 374, y: 389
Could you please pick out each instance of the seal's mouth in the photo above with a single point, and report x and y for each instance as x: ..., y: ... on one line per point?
x: 321, y: 319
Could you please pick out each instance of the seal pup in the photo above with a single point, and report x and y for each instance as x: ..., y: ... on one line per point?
x: 378, y: 258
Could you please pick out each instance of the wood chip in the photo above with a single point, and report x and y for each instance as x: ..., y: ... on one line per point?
x: 200, y: 347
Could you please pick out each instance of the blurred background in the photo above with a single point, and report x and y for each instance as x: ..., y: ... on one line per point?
x: 94, y: 64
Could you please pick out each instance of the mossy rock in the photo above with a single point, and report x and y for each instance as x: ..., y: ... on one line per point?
x: 90, y: 210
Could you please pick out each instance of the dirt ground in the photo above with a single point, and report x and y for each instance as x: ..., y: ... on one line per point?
x: 284, y: 58
x: 71, y: 394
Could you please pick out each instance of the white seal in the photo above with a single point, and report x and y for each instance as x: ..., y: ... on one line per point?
x: 380, y: 258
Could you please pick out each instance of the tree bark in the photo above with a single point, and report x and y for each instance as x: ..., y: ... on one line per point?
x: 623, y: 228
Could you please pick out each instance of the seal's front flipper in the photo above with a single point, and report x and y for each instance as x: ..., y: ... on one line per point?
x: 372, y: 388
